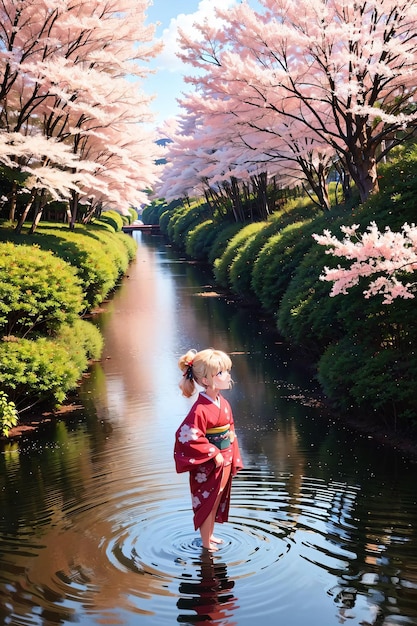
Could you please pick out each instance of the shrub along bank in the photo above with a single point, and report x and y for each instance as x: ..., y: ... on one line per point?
x: 49, y: 282
x: 363, y: 351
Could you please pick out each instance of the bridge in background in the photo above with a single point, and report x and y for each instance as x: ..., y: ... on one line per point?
x: 153, y: 229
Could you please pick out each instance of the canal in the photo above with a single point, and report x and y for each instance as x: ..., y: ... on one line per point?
x: 96, y: 526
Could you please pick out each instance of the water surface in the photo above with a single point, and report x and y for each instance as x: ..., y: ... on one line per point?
x: 96, y: 527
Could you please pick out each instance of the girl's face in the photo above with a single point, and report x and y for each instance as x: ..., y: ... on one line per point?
x: 222, y: 380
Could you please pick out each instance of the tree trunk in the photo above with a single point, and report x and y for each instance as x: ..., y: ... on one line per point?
x: 234, y: 195
x: 24, y: 215
x: 260, y: 187
x: 69, y: 214
x: 89, y: 216
x: 208, y: 199
x: 361, y: 164
x: 39, y: 211
x: 323, y: 196
x: 366, y: 178
x: 344, y: 179
x: 317, y: 178
x: 74, y: 209
x: 13, y: 197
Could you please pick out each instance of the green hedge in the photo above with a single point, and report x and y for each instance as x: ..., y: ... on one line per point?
x: 41, y: 370
x: 234, y: 247
x: 112, y: 219
x: 99, y: 254
x: 38, y: 291
x: 200, y: 239
x: 183, y: 220
x: 242, y: 267
x: 306, y: 315
x: 221, y: 240
x: 48, y: 279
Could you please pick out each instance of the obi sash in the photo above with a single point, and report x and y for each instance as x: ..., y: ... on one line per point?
x: 219, y: 436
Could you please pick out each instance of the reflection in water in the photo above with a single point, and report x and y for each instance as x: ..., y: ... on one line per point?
x: 94, y: 521
x: 211, y: 598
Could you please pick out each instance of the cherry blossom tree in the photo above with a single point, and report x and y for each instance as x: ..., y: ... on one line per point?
x: 341, y: 73
x: 203, y: 160
x: 180, y: 178
x: 71, y: 72
x: 48, y: 167
x: 385, y: 258
x: 298, y: 158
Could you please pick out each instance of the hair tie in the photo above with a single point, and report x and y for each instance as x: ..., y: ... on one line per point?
x: 189, y: 371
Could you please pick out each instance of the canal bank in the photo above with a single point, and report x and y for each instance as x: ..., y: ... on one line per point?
x: 367, y: 424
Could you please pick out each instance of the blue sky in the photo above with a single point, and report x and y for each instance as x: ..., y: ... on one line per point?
x: 167, y: 84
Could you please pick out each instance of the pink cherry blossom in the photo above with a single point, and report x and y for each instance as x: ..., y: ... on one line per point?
x: 386, y: 257
x: 299, y: 89
x: 70, y: 75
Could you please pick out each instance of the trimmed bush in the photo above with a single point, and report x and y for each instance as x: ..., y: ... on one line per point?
x: 99, y: 255
x: 224, y: 262
x: 306, y: 315
x: 200, y: 239
x: 85, y: 335
x: 38, y: 291
x: 152, y: 213
x: 164, y: 221
x: 354, y: 375
x: 96, y: 268
x: 132, y: 215
x: 113, y: 219
x: 277, y: 261
x: 241, y: 270
x: 43, y: 370
x: 183, y: 221
x: 221, y: 240
x: 119, y: 247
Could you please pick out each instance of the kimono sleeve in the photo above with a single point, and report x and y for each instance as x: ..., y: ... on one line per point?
x: 191, y: 445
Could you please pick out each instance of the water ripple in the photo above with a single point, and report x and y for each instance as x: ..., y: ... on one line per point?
x: 127, y: 539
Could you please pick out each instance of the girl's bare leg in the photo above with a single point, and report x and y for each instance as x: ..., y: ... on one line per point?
x: 206, y: 530
x: 207, y: 527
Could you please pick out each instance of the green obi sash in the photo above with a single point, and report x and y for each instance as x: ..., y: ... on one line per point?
x: 219, y: 436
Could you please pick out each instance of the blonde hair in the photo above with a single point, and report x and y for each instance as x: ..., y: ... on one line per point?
x: 198, y: 365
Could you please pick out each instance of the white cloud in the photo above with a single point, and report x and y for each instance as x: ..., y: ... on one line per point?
x: 168, y: 60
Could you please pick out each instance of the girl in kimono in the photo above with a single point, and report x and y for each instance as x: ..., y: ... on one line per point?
x: 205, y: 443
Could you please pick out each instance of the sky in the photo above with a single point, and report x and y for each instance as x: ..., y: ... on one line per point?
x: 167, y: 84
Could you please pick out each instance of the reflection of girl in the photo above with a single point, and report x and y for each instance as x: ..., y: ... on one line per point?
x: 210, y: 595
x: 205, y: 443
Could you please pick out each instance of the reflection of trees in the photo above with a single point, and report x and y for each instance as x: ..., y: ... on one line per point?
x: 68, y: 456
x: 210, y: 597
x: 385, y: 567
x: 140, y: 316
x: 38, y: 489
x: 372, y: 526
x: 372, y: 547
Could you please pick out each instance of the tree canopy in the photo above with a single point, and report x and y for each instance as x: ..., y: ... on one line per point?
x: 73, y: 115
x: 292, y: 92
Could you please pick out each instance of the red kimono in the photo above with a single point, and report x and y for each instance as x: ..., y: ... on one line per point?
x: 193, y: 453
